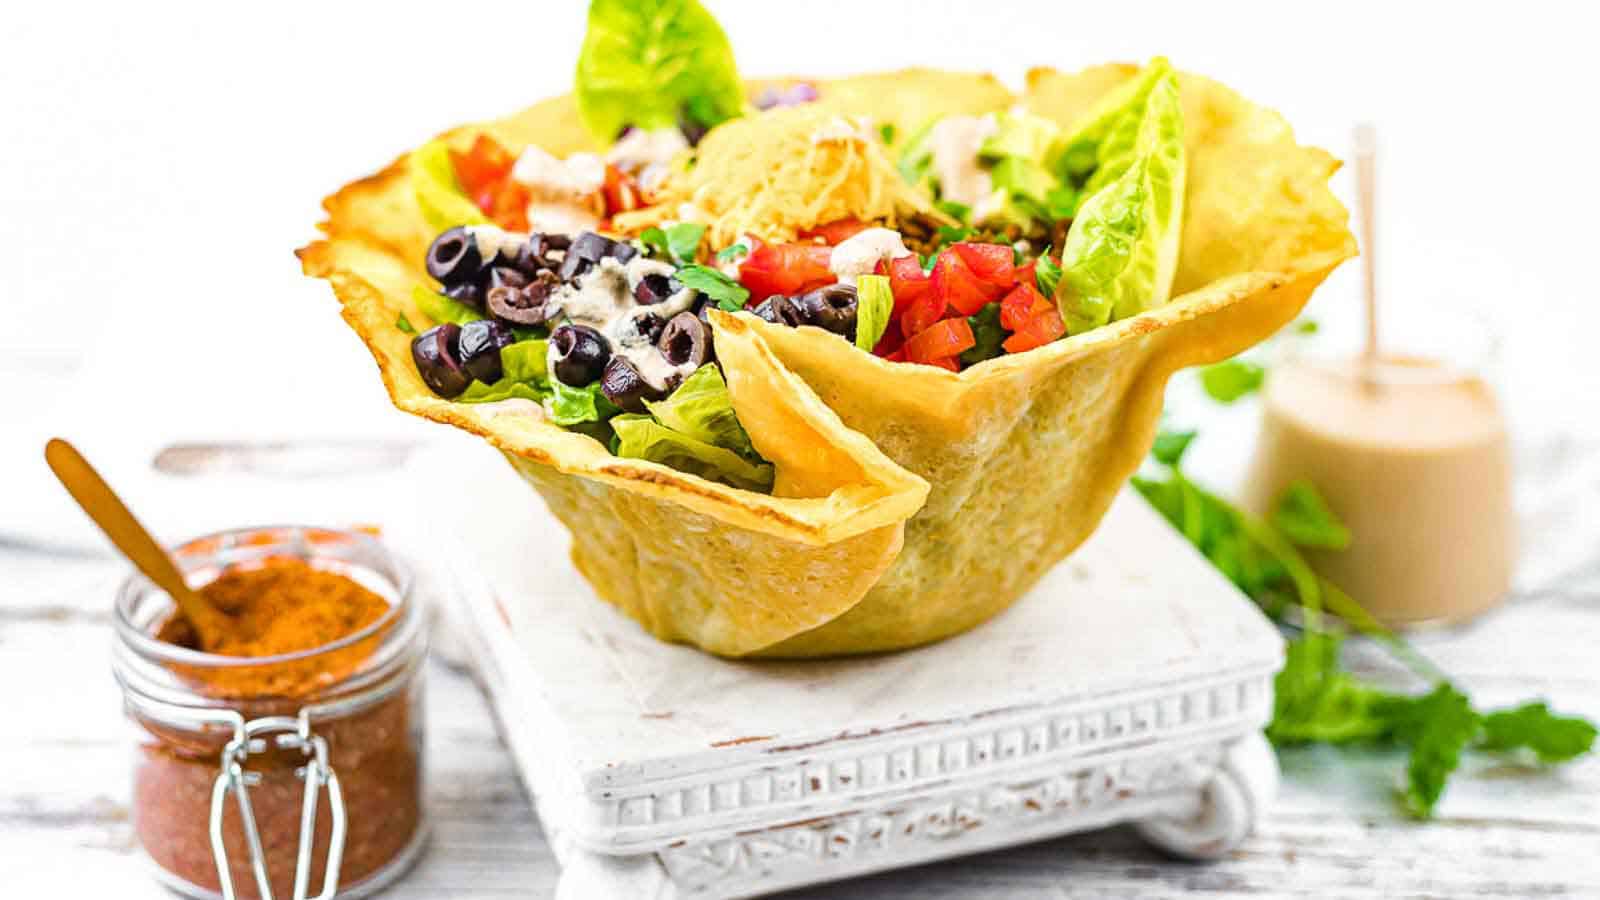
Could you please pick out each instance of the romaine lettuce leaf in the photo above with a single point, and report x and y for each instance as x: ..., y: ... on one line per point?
x: 433, y: 180
x: 504, y: 389
x: 574, y: 406
x: 1108, y: 132
x: 648, y: 63
x: 702, y: 408
x: 1122, y: 250
x: 442, y: 309
x: 642, y: 437
x: 526, y: 361
x: 874, y: 305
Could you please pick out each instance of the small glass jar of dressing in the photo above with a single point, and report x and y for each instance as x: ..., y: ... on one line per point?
x: 280, y: 776
x: 1411, y: 450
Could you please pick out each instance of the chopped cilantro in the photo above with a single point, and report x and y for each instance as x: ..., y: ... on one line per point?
x: 677, y: 243
x: 732, y: 253
x: 1047, y: 274
x: 727, y: 293
x: 988, y: 333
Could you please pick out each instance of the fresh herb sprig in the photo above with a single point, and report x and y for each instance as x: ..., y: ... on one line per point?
x: 1316, y: 699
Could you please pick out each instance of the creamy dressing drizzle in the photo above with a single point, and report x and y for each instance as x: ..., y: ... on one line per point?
x: 955, y: 142
x: 564, y: 194
x: 647, y: 155
x: 860, y: 253
x: 603, y: 299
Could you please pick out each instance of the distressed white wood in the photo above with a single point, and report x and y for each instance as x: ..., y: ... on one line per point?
x: 735, y: 778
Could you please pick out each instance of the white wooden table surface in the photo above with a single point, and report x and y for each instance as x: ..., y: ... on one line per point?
x: 1501, y: 832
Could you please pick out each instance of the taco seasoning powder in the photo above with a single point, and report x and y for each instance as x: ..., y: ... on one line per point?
x: 316, y: 686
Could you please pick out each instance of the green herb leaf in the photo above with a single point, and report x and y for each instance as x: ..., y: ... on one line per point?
x: 1532, y: 726
x: 1306, y: 326
x: 886, y: 131
x: 572, y: 406
x: 732, y: 253
x: 442, y: 309
x: 655, y: 241
x: 727, y: 293
x: 1170, y: 445
x: 1231, y: 379
x: 404, y: 324
x: 950, y: 234
x: 1438, y: 727
x: 958, y: 211
x: 683, y: 241
x: 988, y: 333
x: 1314, y: 701
x: 1047, y: 274
x: 649, y: 62
x: 874, y: 306
x: 1304, y: 517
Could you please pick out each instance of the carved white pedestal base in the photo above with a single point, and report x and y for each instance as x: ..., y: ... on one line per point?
x: 1129, y: 686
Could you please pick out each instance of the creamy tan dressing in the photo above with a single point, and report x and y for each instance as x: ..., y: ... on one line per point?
x: 954, y: 142
x: 563, y: 194
x: 647, y: 155
x: 603, y: 299
x: 492, y: 239
x: 1413, y: 456
x: 860, y: 253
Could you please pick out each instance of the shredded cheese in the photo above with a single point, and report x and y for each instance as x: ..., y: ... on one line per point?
x: 778, y: 173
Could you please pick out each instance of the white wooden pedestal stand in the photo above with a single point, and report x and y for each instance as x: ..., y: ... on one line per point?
x: 1129, y: 686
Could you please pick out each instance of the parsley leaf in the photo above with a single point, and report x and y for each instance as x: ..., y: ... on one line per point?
x: 987, y: 332
x: 732, y: 253
x: 727, y: 293
x: 1231, y: 379
x: 1304, y: 517
x: 1047, y: 274
x: 1438, y: 726
x: 677, y: 243
x: 655, y: 241
x: 1169, y: 446
x: 1551, y: 737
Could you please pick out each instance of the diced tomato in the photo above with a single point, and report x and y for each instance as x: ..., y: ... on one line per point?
x: 785, y: 269
x: 506, y: 203
x: 620, y: 190
x: 897, y: 356
x: 892, y: 341
x: 921, y: 313
x: 834, y: 233
x: 941, y: 340
x: 485, y: 163
x: 956, y: 284
x: 946, y: 362
x: 1023, y: 303
x: 1036, y: 332
x: 991, y: 263
x: 1028, y: 273
x: 907, y: 282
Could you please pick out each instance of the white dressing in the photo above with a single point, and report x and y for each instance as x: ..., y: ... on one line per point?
x: 860, y: 253
x: 955, y: 142
x: 603, y: 299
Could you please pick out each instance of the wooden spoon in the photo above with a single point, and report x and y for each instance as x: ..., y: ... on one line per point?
x: 108, y: 511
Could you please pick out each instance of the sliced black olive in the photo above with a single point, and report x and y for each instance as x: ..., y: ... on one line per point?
x: 478, y: 348
x: 622, y: 251
x: 832, y: 308
x: 588, y: 249
x: 655, y: 288
x: 536, y: 253
x: 686, y: 339
x: 467, y: 292
x: 623, y: 385
x: 648, y: 325
x: 779, y: 310
x: 525, y: 305
x: 504, y: 276
x: 578, y: 354
x: 434, y: 352
x: 453, y: 256
x: 573, y: 265
x: 703, y: 308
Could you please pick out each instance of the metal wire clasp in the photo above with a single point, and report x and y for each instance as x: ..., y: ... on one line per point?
x: 288, y: 734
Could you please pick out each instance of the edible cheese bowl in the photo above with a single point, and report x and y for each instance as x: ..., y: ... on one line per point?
x: 911, y: 502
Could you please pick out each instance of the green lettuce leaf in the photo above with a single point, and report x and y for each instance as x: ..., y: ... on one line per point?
x: 574, y: 406
x: 916, y: 156
x: 442, y: 309
x: 504, y: 389
x: 1108, y: 133
x: 526, y: 361
x: 701, y: 408
x: 649, y: 63
x: 1122, y: 250
x: 642, y: 437
x: 874, y: 305
x: 439, y: 195
x: 1231, y: 379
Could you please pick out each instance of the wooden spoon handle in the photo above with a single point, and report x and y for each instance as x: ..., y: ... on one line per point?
x: 108, y: 511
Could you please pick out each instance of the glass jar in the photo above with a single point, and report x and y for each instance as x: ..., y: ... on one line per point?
x: 239, y: 760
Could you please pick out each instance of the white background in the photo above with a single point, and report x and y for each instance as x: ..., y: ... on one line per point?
x: 161, y: 162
